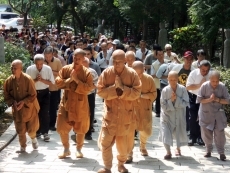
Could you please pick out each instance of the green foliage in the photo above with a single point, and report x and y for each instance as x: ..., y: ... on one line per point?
x: 186, y: 38
x: 210, y: 16
x: 13, y: 52
x: 4, y: 74
x: 225, y: 73
x: 40, y: 23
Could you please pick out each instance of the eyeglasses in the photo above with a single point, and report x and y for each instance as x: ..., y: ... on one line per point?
x: 87, y: 53
x: 168, y: 49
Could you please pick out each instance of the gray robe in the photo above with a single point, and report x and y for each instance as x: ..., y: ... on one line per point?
x: 173, y: 116
x: 212, y: 115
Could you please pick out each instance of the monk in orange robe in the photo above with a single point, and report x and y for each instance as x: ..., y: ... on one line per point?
x: 20, y: 93
x: 119, y: 86
x: 143, y: 110
x: 77, y: 82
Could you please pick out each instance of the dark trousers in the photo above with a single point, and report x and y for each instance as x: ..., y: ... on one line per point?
x: 54, y: 101
x: 158, y: 104
x: 102, y: 69
x: 43, y: 97
x: 91, y: 100
x: 187, y: 119
x: 193, y: 118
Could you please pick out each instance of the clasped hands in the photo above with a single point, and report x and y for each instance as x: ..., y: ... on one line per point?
x: 214, y: 98
x: 73, y: 80
x: 18, y: 105
x: 39, y: 78
x: 119, y: 86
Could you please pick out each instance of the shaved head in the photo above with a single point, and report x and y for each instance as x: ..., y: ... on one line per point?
x: 138, y: 66
x: 214, y: 78
x: 173, y: 79
x: 130, y: 58
x: 79, y: 52
x: 118, y: 60
x: 16, y: 68
x: 215, y: 74
x: 119, y: 54
x: 173, y: 74
x: 17, y: 62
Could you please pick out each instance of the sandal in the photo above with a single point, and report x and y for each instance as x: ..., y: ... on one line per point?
x: 168, y: 156
x: 177, y: 152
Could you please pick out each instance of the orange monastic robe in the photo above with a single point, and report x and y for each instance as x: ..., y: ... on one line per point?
x: 26, y: 119
x: 74, y: 107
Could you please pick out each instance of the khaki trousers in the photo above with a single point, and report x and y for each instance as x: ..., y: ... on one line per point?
x: 63, y: 128
x: 219, y: 139
x: 30, y: 127
x: 145, y: 134
x: 106, y: 141
x: 130, y: 139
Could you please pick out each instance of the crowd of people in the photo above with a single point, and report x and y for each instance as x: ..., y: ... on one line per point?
x: 186, y: 94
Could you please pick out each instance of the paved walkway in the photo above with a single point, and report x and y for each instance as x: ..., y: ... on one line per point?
x: 45, y: 159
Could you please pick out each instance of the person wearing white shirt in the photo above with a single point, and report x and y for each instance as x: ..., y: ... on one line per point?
x: 155, y: 66
x: 142, y: 52
x: 43, y: 78
x: 200, y: 56
x: 169, y: 55
x: 195, y: 79
x: 91, y: 98
x: 103, y: 57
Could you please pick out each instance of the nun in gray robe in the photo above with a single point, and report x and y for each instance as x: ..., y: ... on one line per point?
x: 173, y: 116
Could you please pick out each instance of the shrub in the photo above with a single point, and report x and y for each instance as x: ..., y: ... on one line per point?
x: 4, y: 73
x: 225, y: 73
x: 13, y: 52
x: 185, y: 38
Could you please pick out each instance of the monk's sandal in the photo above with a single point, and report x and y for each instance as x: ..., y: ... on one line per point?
x: 64, y: 154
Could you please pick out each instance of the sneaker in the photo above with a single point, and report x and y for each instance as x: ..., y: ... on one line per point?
x: 88, y: 137
x: 21, y: 150
x: 92, y: 129
x: 79, y: 154
x: 38, y: 135
x: 34, y: 144
x: 46, y: 137
x: 53, y: 128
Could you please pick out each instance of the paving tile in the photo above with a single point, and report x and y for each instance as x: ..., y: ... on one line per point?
x: 45, y: 159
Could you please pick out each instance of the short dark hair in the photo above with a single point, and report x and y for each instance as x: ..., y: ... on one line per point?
x: 201, y: 52
x: 143, y: 41
x: 120, y: 46
x: 71, y: 43
x: 132, y: 48
x: 158, y: 49
x: 88, y: 48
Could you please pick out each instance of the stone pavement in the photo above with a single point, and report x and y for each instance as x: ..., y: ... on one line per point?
x: 45, y: 159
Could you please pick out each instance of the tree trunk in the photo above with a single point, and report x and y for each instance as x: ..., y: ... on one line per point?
x: 145, y: 29
x: 59, y: 21
x: 25, y: 19
x: 116, y: 29
x: 222, y: 48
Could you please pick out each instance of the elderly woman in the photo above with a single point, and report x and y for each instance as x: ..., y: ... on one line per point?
x: 212, y: 96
